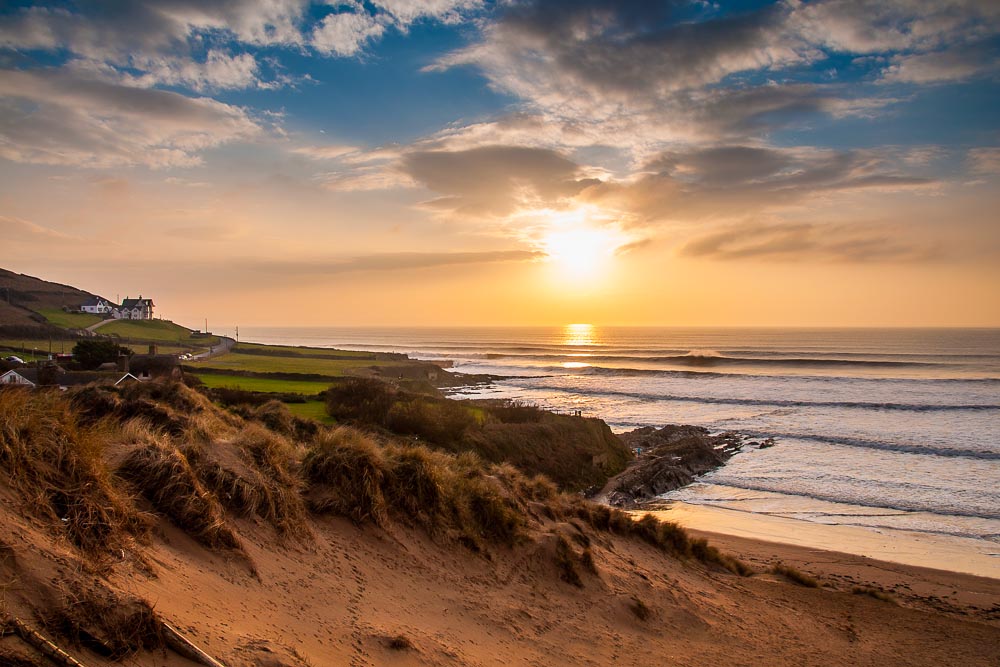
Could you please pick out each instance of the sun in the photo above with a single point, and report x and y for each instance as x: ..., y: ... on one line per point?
x: 578, y: 252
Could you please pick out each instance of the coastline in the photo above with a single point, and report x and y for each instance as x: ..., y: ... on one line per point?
x: 906, y: 548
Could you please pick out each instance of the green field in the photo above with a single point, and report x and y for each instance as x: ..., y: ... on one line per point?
x: 23, y: 349
x: 289, y: 351
x: 267, y: 364
x: 267, y: 385
x: 61, y: 318
x: 311, y: 410
x: 158, y: 331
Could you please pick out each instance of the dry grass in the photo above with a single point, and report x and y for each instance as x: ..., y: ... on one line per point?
x: 874, y: 593
x: 346, y: 470
x: 664, y: 535
x: 349, y: 474
x: 56, y: 465
x: 105, y: 622
x: 164, y: 476
x: 200, y: 466
x: 795, y: 576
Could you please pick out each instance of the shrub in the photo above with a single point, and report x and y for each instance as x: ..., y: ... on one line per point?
x: 361, y: 399
x: 91, y: 353
x: 441, y: 422
x: 509, y: 411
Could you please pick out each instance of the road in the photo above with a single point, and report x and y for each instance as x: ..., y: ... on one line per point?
x: 225, y: 345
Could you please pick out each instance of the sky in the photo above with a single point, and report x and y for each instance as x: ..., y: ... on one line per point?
x: 520, y: 162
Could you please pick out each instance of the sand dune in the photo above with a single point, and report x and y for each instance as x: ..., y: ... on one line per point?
x: 367, y: 596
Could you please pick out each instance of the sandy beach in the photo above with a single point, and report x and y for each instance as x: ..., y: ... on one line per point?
x: 959, y: 555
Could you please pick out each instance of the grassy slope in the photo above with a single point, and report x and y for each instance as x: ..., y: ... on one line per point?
x: 60, y: 318
x: 311, y: 410
x: 273, y: 364
x: 261, y: 349
x: 157, y: 331
x: 266, y: 385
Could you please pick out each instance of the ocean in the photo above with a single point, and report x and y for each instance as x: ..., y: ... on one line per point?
x: 886, y: 429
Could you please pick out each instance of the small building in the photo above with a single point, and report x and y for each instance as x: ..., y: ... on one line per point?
x: 25, y: 377
x: 97, y: 306
x: 134, y: 309
x: 154, y: 366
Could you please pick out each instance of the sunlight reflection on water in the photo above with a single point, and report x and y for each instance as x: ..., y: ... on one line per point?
x: 579, y: 334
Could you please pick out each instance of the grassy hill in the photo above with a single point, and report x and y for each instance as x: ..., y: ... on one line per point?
x: 25, y: 300
x: 156, y: 331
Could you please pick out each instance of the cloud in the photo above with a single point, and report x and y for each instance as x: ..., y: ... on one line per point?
x: 808, y: 242
x: 880, y: 26
x: 643, y: 72
x: 366, y: 178
x: 940, y: 66
x: 381, y: 262
x: 984, y: 160
x: 345, y: 33
x: 164, y: 42
x: 328, y: 152
x: 493, y: 180
x: 219, y: 71
x: 732, y: 180
x: 205, y: 232
x: 152, y: 26
x: 405, y: 12
x: 16, y: 229
x: 57, y: 116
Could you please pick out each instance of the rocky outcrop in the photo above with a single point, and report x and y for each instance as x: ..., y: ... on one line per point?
x: 667, y: 459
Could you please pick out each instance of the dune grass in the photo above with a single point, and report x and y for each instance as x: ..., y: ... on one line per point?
x: 876, y: 593
x: 99, y: 464
x: 199, y: 466
x: 61, y: 318
x: 795, y: 576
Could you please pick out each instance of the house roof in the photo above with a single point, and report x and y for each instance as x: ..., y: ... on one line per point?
x: 94, y: 301
x: 67, y: 379
x: 29, y: 374
x: 133, y: 303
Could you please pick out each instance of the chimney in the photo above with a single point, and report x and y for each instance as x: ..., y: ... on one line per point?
x: 123, y: 363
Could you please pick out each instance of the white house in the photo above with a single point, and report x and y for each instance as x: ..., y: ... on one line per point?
x: 134, y: 309
x: 97, y: 306
x: 21, y: 377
